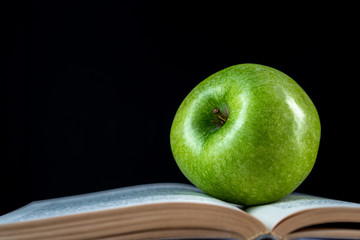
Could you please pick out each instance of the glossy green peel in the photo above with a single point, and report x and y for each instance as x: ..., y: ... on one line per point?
x: 248, y: 134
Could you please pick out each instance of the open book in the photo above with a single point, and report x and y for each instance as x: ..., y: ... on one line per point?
x: 171, y: 210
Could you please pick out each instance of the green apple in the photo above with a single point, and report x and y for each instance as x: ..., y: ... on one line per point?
x: 247, y: 134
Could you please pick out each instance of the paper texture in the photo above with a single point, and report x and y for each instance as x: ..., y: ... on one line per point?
x: 123, y: 197
x: 272, y: 214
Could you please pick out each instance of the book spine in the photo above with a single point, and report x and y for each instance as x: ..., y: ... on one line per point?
x: 266, y: 237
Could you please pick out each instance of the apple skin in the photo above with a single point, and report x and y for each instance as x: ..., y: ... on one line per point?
x: 266, y: 147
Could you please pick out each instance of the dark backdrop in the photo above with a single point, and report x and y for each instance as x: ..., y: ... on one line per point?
x: 89, y: 89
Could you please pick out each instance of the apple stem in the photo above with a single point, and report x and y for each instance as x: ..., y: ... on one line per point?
x: 220, y: 116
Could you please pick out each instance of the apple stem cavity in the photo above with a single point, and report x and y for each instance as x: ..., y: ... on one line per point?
x: 222, y: 117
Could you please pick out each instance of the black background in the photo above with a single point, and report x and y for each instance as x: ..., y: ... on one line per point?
x: 89, y: 89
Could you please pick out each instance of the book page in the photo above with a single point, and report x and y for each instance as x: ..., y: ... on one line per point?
x: 116, y: 198
x: 272, y: 214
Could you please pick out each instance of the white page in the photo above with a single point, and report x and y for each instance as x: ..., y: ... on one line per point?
x: 122, y: 197
x: 272, y: 214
